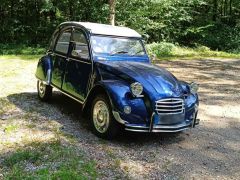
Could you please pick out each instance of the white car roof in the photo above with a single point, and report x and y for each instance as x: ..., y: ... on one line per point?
x: 104, y: 29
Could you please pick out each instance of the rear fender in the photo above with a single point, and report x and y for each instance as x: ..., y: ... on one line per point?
x: 44, y: 69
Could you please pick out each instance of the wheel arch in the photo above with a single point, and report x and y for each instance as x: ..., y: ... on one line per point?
x: 44, y: 69
x: 96, y: 90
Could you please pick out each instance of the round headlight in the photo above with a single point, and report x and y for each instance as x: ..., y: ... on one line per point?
x: 193, y: 87
x: 136, y: 89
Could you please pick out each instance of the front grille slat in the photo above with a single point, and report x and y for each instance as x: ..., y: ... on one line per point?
x: 170, y: 106
x: 169, y: 110
x: 159, y: 106
x: 167, y: 102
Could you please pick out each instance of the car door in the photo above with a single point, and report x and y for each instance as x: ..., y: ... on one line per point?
x: 59, y: 57
x: 79, y: 66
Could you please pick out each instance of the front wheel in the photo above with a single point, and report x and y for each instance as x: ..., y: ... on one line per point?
x: 44, y: 91
x: 103, y: 123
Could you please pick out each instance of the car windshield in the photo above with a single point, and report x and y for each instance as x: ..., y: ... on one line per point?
x: 115, y: 46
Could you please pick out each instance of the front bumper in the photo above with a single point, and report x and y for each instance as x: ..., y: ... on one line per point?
x: 161, y: 128
x: 158, y: 128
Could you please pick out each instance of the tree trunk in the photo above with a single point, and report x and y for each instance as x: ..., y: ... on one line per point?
x: 230, y: 8
x: 221, y: 10
x: 112, y: 4
x: 70, y: 3
x: 215, y: 10
x: 225, y: 8
x: 12, y: 8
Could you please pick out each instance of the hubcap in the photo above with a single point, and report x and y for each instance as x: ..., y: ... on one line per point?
x: 101, y: 116
x: 41, y: 88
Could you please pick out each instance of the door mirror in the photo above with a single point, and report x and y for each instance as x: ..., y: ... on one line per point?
x: 76, y: 53
x: 153, y: 58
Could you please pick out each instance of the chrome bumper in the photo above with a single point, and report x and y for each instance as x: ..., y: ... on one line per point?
x: 159, y: 128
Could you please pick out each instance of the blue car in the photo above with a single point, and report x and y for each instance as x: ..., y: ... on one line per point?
x: 106, y: 69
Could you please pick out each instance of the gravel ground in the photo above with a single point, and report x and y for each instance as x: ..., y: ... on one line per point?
x: 210, y: 151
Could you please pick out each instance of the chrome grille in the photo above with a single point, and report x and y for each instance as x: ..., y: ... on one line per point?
x: 170, y: 106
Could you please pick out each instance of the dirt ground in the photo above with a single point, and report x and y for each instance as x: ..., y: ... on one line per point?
x: 209, y: 151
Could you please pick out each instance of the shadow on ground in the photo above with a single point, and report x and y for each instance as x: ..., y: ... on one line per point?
x: 29, y: 103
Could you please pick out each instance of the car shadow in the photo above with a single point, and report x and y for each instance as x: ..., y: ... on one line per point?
x: 69, y: 111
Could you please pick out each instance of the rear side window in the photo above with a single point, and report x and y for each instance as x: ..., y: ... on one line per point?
x: 80, y: 48
x: 63, y: 42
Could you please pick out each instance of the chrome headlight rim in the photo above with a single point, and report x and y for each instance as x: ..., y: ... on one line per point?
x: 193, y: 87
x: 136, y: 89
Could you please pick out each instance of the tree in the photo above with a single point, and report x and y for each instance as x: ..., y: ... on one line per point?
x: 213, y: 23
x: 112, y: 5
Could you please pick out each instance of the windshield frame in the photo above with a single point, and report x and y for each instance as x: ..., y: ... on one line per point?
x: 140, y: 39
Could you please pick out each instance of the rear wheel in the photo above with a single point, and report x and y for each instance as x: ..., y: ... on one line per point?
x: 44, y: 91
x: 103, y: 123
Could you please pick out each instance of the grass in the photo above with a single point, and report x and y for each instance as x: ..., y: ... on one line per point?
x: 169, y: 51
x: 49, y: 160
x: 200, y: 52
x: 20, y: 57
x: 20, y: 52
x: 10, y: 128
x: 21, y: 49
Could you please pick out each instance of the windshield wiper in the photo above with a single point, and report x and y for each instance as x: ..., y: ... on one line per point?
x: 119, y: 52
x: 138, y: 52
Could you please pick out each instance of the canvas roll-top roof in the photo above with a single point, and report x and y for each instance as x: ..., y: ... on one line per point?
x: 104, y: 29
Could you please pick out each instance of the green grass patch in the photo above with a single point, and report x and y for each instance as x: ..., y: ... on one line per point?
x: 20, y: 57
x: 166, y: 50
x: 48, y: 161
x: 21, y: 49
x: 10, y: 128
x: 20, y: 156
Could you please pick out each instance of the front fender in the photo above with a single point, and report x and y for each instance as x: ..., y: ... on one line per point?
x: 120, y: 96
x: 44, y: 69
x: 117, y: 92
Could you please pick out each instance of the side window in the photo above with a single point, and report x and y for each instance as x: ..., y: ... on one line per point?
x: 63, y: 42
x: 80, y: 45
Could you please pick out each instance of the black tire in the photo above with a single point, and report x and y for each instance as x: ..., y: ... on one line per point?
x: 44, y: 91
x: 113, y: 126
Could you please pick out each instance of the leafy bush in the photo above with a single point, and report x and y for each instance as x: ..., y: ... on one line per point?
x: 160, y: 49
x: 236, y: 51
x: 221, y: 37
x: 202, y: 48
x: 19, y: 49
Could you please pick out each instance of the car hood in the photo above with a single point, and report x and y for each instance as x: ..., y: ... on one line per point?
x: 157, y: 82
